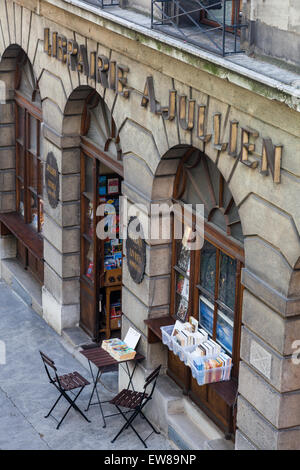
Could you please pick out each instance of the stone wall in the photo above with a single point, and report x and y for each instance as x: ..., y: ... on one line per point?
x: 273, y: 28
x: 269, y: 402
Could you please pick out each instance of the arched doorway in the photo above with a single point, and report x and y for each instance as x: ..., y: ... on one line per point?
x: 26, y: 221
x: 206, y: 283
x: 101, y: 259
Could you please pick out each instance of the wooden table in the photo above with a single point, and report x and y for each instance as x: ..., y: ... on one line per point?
x: 104, y: 362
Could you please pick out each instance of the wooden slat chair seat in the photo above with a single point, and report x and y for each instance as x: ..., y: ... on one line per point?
x: 128, y: 399
x: 72, y: 381
x: 136, y: 401
x: 64, y: 383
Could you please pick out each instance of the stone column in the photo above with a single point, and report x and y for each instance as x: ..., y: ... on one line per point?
x: 269, y: 396
x: 61, y: 291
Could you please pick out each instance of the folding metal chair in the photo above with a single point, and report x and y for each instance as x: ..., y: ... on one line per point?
x: 135, y: 401
x: 64, y: 383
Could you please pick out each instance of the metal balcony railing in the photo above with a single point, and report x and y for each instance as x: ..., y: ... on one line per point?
x: 213, y: 25
x: 109, y: 3
x: 103, y: 3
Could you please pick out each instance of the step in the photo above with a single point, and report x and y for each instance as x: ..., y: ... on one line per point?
x: 76, y: 336
x: 201, y: 420
x: 23, y: 283
x: 220, y: 444
x: 185, y: 434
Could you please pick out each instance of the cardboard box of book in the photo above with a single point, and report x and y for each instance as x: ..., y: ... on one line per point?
x: 122, y: 350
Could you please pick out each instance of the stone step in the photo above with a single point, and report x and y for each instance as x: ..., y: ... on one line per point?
x: 186, y: 435
x: 219, y: 444
x: 76, y: 336
x: 23, y: 283
x: 201, y: 420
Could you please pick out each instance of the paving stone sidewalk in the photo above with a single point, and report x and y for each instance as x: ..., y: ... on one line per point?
x: 26, y: 395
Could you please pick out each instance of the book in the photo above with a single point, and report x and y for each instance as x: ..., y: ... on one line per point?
x: 194, y: 324
x: 122, y: 350
x: 185, y: 334
x: 113, y: 185
x: 102, y: 185
x: 132, y: 338
x: 118, y: 349
x: 115, y: 310
x: 182, y: 309
x: 109, y: 343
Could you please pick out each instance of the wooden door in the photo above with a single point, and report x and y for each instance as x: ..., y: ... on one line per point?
x: 88, y: 246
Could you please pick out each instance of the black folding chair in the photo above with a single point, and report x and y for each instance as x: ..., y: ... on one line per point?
x: 135, y: 401
x: 64, y: 383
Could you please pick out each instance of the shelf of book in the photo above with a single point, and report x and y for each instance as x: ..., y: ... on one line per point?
x: 111, y: 251
x: 112, y: 310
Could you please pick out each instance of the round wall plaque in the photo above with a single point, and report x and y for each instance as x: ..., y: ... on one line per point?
x: 52, y: 180
x: 135, y: 250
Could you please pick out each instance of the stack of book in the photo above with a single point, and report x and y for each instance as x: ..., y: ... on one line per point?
x: 122, y: 350
x: 118, y: 349
x: 208, y: 348
x: 187, y: 334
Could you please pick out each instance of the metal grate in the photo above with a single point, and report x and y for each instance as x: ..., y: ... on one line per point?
x: 210, y: 24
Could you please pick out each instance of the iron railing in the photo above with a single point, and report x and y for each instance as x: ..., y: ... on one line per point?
x: 109, y: 3
x: 103, y: 3
x: 210, y: 24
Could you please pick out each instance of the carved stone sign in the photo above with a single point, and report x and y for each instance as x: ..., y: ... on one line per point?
x: 52, y: 180
x: 242, y: 141
x: 135, y: 250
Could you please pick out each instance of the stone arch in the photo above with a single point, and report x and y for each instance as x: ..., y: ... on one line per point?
x: 167, y: 169
x: 76, y: 116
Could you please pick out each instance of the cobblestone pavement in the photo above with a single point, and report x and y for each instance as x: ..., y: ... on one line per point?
x: 26, y: 395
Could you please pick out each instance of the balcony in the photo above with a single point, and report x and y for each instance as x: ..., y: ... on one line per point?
x: 213, y: 25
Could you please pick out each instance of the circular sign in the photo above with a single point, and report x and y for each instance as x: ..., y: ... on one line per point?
x: 135, y: 250
x: 52, y: 180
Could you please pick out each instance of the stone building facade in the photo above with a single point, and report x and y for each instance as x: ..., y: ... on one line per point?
x: 260, y: 167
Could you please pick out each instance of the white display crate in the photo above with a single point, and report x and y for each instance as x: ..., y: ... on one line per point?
x: 203, y: 377
x: 174, y: 346
x: 166, y: 332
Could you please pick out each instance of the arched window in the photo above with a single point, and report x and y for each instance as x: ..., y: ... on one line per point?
x: 206, y: 282
x: 29, y: 165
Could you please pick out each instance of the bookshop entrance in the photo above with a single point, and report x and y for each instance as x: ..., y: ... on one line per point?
x: 206, y: 283
x: 101, y: 259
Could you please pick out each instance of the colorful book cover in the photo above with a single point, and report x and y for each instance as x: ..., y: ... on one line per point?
x: 113, y: 185
x: 102, y: 185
